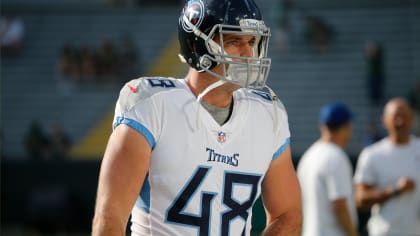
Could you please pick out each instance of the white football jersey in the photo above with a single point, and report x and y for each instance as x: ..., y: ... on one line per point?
x: 203, y: 178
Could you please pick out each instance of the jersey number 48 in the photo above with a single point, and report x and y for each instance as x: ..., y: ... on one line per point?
x: 176, y: 214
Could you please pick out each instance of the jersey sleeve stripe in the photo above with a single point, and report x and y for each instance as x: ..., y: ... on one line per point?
x: 281, y: 149
x: 137, y: 126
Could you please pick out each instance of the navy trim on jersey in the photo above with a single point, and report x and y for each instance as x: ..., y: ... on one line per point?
x: 143, y: 200
x: 281, y: 149
x: 137, y: 126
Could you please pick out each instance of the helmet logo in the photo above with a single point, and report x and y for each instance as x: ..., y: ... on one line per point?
x: 194, y: 11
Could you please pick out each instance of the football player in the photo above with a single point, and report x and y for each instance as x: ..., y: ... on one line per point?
x: 191, y: 156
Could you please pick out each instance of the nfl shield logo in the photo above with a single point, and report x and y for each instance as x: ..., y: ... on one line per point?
x: 221, y: 137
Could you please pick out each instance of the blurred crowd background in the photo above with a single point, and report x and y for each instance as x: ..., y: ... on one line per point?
x: 63, y: 63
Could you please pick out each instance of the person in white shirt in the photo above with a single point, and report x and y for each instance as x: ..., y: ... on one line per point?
x: 325, y: 174
x: 388, y: 174
x: 191, y: 156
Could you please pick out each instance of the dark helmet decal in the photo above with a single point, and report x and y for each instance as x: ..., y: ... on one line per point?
x: 194, y: 11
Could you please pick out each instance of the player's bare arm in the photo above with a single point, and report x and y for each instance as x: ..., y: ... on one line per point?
x: 368, y: 195
x: 281, y: 196
x: 342, y: 213
x: 124, y: 167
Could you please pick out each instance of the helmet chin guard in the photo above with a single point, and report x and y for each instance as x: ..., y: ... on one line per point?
x: 199, y: 23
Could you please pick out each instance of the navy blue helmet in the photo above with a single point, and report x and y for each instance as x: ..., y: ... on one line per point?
x: 201, y: 20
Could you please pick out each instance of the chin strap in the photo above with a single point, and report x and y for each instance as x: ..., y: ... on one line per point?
x: 209, y: 88
x: 202, y: 94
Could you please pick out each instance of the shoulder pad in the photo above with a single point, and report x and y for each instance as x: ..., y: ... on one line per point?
x: 142, y: 88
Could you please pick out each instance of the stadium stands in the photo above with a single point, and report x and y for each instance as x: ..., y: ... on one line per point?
x: 303, y: 78
x: 29, y: 83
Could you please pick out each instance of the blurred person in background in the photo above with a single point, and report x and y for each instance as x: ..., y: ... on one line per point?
x: 60, y: 142
x: 325, y: 174
x: 129, y: 58
x: 36, y: 142
x: 387, y: 176
x: 107, y: 58
x: 414, y: 100
x: 375, y: 72
x: 318, y: 33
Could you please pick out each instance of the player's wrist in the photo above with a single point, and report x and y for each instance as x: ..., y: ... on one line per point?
x: 387, y: 194
x: 395, y: 191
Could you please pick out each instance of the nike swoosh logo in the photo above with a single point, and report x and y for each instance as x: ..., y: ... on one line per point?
x: 133, y: 89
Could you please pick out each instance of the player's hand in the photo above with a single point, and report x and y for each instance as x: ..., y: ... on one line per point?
x: 405, y: 184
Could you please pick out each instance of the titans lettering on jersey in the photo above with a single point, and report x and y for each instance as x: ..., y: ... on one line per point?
x: 203, y: 178
x: 213, y: 156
